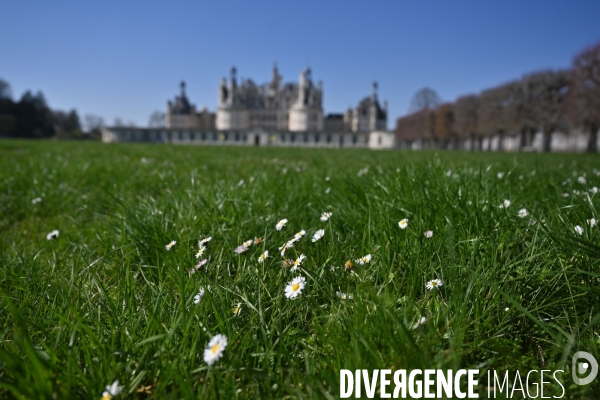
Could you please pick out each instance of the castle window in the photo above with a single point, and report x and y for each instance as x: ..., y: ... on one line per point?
x: 192, y: 136
x: 328, y: 138
x: 203, y: 136
x: 317, y: 138
x: 180, y: 135
x: 237, y: 137
x: 354, y: 139
x: 306, y: 138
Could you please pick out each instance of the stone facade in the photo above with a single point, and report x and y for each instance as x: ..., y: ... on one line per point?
x: 271, y: 106
x: 251, y: 137
x: 369, y: 115
x: 183, y: 115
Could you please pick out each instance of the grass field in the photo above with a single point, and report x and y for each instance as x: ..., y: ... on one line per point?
x: 106, y: 300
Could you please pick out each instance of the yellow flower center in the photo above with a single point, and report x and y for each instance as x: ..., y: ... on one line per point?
x: 237, y: 310
x: 295, y: 287
x: 297, y: 262
x: 434, y: 283
x: 215, y: 348
x: 107, y: 396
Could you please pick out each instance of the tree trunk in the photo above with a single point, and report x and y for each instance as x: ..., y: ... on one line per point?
x: 546, y: 141
x: 593, y: 140
x: 500, y: 141
x: 523, y: 139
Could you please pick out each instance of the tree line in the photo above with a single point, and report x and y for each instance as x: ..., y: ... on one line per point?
x: 545, y: 101
x: 31, y: 117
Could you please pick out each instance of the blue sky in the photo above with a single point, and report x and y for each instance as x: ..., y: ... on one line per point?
x: 126, y: 58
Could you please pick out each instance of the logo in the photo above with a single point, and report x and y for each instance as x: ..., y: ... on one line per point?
x: 580, y: 368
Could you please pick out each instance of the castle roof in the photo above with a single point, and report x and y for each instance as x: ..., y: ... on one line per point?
x: 365, y: 105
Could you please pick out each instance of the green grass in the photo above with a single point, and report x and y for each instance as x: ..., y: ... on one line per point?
x: 106, y: 301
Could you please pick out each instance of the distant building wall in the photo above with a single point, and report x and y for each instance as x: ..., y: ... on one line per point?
x: 256, y: 137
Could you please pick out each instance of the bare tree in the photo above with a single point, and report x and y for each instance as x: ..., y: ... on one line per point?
x: 118, y: 122
x: 93, y: 125
x: 547, y: 94
x: 157, y: 120
x: 466, y: 120
x: 444, y: 125
x: 493, y: 114
x: 424, y: 99
x: 583, y: 106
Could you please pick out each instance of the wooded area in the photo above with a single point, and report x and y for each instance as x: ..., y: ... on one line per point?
x: 545, y: 101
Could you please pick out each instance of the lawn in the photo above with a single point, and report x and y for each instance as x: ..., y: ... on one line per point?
x: 106, y: 300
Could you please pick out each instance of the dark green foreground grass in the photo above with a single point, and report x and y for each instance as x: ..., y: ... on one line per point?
x: 106, y: 301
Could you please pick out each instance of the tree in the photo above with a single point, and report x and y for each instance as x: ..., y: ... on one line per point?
x: 5, y: 92
x: 93, y: 125
x: 493, y: 112
x: 548, y: 92
x: 444, y: 124
x: 67, y: 124
x: 583, y: 105
x: 424, y: 99
x: 466, y: 119
x: 157, y: 120
x: 33, y: 116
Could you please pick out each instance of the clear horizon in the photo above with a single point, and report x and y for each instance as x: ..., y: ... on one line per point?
x: 126, y: 60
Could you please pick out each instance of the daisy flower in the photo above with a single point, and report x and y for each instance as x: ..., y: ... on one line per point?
x: 294, y: 288
x: 198, y: 297
x: 433, y: 284
x: 200, y: 263
x: 263, y: 256
x: 36, y: 200
x: 343, y: 296
x: 241, y: 249
x: 500, y: 175
x: 579, y: 229
x: 298, y: 262
x: 237, y: 309
x: 318, y: 235
x: 328, y: 190
x: 112, y: 390
x: 171, y: 244
x: 504, y: 204
x: 299, y: 235
x: 594, y: 190
x: 581, y: 180
x: 325, y: 216
x: 200, y: 252
x: 281, y: 224
x: 364, y: 260
x: 403, y: 224
x: 565, y: 194
x: 348, y: 265
x: 257, y: 240
x: 52, y: 235
x: 287, y: 245
x: 248, y: 243
x: 287, y: 263
x: 523, y: 213
x: 215, y: 349
x: 592, y: 222
x: 428, y: 234
x: 420, y: 322
x: 203, y: 241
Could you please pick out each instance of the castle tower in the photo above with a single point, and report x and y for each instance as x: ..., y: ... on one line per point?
x: 231, y: 114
